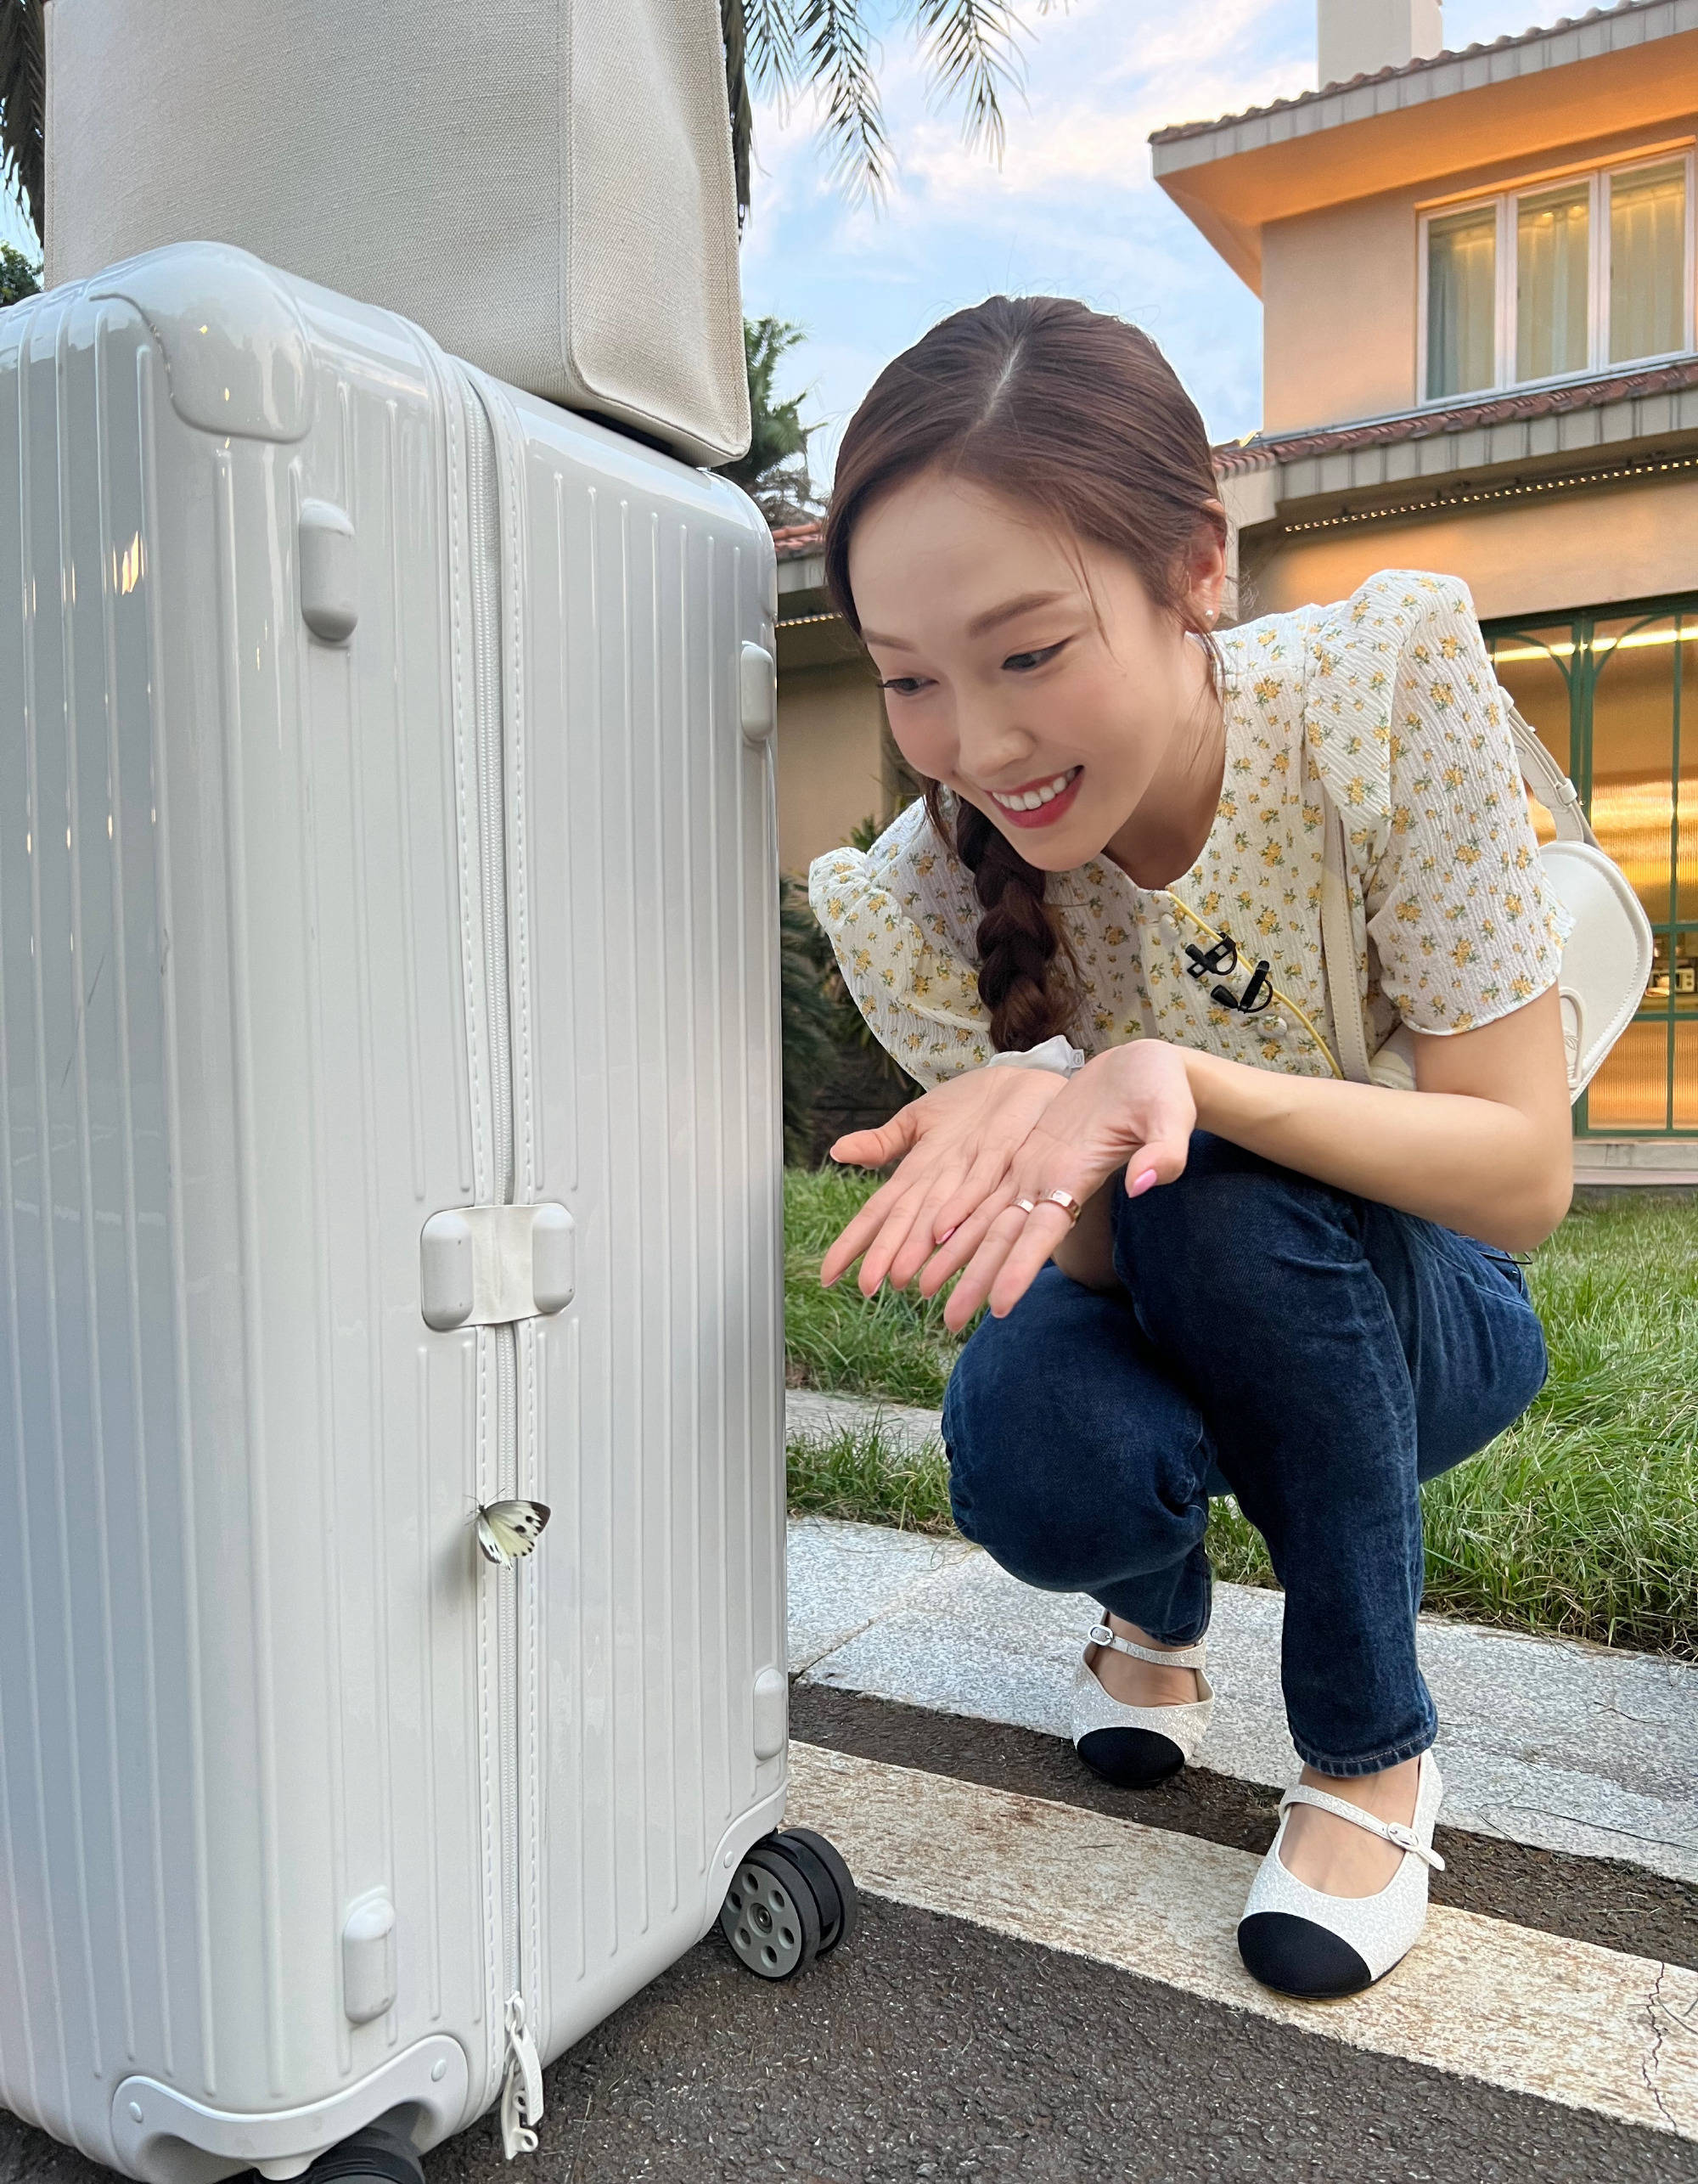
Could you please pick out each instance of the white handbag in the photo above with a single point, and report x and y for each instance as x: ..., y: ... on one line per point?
x: 1606, y: 962
x: 545, y: 187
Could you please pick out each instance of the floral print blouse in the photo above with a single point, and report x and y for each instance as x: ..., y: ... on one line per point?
x: 1388, y: 698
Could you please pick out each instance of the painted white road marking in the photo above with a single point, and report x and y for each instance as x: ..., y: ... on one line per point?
x: 1529, y: 2012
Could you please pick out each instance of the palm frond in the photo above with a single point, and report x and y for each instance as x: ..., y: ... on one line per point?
x: 733, y: 31
x: 23, y: 104
x: 759, y: 37
x: 972, y: 46
x: 834, y: 58
x: 771, y: 35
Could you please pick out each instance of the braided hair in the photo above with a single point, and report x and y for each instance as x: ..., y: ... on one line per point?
x: 1079, y: 415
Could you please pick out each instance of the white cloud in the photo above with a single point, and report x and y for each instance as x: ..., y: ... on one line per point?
x: 1072, y: 209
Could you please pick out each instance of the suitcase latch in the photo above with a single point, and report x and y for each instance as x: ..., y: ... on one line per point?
x: 483, y: 1266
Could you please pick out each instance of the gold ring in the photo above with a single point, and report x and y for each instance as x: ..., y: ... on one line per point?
x: 1027, y: 1205
x: 1066, y: 1201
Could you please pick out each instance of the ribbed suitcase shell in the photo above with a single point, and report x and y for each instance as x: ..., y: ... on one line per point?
x: 253, y: 1676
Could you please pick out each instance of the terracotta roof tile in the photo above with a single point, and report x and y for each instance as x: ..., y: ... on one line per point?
x: 1268, y: 449
x: 1182, y: 129
x: 796, y: 541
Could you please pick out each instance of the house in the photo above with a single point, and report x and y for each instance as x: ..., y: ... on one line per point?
x: 837, y: 765
x: 1477, y: 274
x: 1477, y: 279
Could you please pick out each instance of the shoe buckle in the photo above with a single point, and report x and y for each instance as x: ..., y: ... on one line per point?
x: 1404, y: 1838
x: 1101, y: 1635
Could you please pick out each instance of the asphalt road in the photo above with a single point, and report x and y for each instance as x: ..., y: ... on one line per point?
x: 933, y: 2048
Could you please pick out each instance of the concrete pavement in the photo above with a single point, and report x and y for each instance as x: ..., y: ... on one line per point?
x: 1567, y: 1746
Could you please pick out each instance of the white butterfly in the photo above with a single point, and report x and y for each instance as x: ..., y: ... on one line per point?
x: 506, y: 1530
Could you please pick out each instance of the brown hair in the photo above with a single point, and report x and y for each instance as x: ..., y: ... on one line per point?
x: 1080, y: 416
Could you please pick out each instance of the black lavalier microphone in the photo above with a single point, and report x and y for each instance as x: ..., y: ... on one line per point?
x: 1209, y: 963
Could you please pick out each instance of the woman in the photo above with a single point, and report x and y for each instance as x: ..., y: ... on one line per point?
x: 1211, y: 1264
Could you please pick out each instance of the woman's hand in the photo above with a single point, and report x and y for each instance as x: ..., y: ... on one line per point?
x: 1129, y: 1112
x: 956, y: 1145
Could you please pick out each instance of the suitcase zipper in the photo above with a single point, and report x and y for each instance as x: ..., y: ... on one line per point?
x: 521, y: 2088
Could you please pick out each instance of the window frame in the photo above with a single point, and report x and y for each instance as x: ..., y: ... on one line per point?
x: 1507, y: 203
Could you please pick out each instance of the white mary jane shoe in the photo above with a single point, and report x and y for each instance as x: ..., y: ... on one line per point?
x: 1298, y: 1941
x: 1134, y: 1747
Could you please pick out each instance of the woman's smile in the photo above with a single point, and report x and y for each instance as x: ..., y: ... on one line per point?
x: 1039, y: 803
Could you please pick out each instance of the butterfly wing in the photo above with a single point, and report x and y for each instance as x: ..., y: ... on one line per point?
x: 506, y: 1530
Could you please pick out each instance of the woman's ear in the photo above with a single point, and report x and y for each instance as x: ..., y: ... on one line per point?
x: 1206, y: 565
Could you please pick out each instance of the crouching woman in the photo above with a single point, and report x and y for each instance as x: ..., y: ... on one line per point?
x: 1212, y: 1263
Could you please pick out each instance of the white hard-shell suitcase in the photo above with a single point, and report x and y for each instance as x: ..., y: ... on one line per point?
x: 387, y: 907
x: 545, y: 185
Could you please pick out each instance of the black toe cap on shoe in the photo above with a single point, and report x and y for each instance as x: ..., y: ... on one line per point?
x: 1295, y: 1956
x: 1130, y: 1758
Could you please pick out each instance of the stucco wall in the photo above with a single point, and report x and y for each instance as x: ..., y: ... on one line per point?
x: 831, y: 757
x: 1340, y: 286
x: 1339, y: 314
x: 1535, y: 556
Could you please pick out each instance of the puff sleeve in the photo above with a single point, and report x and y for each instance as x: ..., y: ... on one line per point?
x: 1465, y: 924
x: 894, y: 941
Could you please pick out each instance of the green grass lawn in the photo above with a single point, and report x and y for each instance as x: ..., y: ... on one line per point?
x: 1582, y: 1519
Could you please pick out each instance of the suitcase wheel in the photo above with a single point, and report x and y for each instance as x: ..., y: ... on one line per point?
x: 772, y: 1913
x: 839, y: 1904
x: 381, y: 2153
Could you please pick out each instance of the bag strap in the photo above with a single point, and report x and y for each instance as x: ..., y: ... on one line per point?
x: 1338, y: 942
x: 1548, y: 781
x: 1338, y: 951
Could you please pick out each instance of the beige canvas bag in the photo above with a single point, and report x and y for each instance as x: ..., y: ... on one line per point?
x: 1606, y: 961
x: 544, y: 186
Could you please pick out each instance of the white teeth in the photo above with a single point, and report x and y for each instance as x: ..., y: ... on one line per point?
x: 1032, y: 800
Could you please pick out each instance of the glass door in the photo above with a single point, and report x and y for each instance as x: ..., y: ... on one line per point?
x: 1605, y: 694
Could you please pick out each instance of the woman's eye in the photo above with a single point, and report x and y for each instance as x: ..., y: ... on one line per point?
x: 904, y: 685
x: 1024, y: 663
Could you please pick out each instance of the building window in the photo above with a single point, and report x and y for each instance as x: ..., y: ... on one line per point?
x: 1462, y: 303
x: 1557, y: 280
x: 1647, y: 261
x: 1614, y: 698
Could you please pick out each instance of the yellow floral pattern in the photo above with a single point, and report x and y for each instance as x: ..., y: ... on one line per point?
x: 1388, y: 698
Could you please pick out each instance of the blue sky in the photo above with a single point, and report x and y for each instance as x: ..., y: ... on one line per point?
x: 1071, y: 210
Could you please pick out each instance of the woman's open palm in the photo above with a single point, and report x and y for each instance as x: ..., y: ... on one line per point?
x: 956, y: 1147
x: 1129, y: 1112
x: 972, y: 1148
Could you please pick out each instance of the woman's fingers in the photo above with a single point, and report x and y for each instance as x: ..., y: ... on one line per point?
x: 956, y: 1206
x: 956, y: 1247
x: 1030, y: 1252
x: 999, y: 1240
x: 984, y: 1180
x: 909, y: 1219
x: 877, y: 1148
x: 856, y: 1236
x: 926, y: 1232
x: 1160, y: 1158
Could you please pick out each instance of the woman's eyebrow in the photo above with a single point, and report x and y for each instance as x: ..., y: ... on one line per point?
x: 992, y: 618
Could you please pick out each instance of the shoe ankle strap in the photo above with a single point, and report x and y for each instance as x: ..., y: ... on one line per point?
x: 1186, y: 1657
x: 1390, y: 1831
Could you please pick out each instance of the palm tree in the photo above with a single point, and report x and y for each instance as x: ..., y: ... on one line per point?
x: 972, y: 47
x: 23, y: 104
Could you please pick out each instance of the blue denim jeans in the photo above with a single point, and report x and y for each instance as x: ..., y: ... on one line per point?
x: 1313, y: 1352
